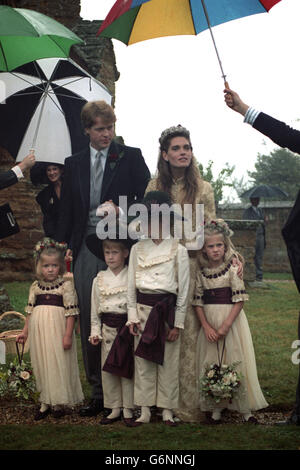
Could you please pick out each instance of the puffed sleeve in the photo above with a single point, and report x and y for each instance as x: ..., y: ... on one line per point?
x: 31, y: 298
x: 198, y: 293
x: 237, y: 286
x: 70, y: 298
x: 95, y: 310
x: 131, y: 288
x: 152, y: 186
x: 183, y: 266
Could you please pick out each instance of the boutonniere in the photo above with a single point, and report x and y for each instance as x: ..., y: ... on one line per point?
x: 51, y: 201
x: 114, y: 158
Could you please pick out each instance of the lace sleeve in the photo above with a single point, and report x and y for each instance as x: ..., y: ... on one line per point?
x: 237, y: 286
x: 198, y: 293
x: 31, y: 299
x: 70, y: 298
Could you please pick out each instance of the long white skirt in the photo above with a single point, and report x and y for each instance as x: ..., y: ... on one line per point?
x: 55, y: 369
x: 238, y: 347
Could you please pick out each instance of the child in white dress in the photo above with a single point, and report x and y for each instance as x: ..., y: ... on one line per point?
x: 218, y: 301
x: 158, y: 285
x: 108, y: 325
x: 51, y: 312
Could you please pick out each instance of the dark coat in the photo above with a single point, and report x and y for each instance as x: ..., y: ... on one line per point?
x: 125, y: 174
x: 287, y: 137
x: 8, y: 178
x: 50, y: 204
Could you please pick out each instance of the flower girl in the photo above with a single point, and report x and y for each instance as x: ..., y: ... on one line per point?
x: 225, y: 335
x: 51, y: 312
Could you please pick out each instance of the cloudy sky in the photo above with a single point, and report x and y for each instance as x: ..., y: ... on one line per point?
x: 177, y: 80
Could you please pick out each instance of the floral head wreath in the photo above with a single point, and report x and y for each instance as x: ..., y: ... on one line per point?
x: 48, y: 243
x: 218, y: 226
x: 173, y: 130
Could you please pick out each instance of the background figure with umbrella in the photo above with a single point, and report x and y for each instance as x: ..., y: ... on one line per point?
x: 284, y: 136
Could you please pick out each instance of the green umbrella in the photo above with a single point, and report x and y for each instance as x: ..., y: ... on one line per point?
x: 26, y: 35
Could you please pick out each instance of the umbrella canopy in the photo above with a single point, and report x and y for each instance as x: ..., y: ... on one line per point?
x: 26, y: 35
x: 264, y: 190
x: 132, y: 21
x: 42, y: 108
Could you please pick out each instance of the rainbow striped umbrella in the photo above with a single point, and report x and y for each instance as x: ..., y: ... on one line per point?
x: 133, y: 21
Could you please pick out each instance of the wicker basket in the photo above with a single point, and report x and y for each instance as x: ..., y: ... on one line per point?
x: 9, y: 336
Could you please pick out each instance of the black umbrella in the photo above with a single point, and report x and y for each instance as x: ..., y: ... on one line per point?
x: 264, y: 190
x: 42, y: 108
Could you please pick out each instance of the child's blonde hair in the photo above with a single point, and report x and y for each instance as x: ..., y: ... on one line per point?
x: 219, y: 227
x: 49, y: 247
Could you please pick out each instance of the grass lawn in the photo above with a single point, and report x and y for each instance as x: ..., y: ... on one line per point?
x: 272, y: 314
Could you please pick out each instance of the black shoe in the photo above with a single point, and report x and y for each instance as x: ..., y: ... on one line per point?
x: 41, y: 414
x: 93, y: 409
x: 58, y: 413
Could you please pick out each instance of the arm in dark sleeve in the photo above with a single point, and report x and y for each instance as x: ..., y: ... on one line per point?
x: 140, y: 175
x: 282, y: 134
x: 8, y: 178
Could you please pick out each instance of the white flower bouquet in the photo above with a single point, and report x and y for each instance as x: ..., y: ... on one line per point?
x: 220, y: 382
x: 17, y: 381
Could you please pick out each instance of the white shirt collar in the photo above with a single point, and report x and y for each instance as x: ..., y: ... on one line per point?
x: 93, y: 153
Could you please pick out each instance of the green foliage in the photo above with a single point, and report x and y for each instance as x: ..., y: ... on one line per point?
x: 280, y: 168
x: 220, y: 181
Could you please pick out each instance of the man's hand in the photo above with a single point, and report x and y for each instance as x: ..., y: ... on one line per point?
x: 27, y: 162
x: 107, y: 208
x: 234, y: 102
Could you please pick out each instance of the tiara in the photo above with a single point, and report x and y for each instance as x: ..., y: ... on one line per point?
x: 218, y: 226
x: 48, y: 243
x: 173, y: 130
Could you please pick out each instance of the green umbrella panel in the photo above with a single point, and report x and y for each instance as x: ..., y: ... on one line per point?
x: 27, y: 35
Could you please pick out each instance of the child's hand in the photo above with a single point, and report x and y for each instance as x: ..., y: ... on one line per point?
x: 94, y: 340
x: 21, y: 338
x: 211, y: 334
x: 173, y: 334
x: 135, y: 328
x: 223, y: 330
x: 67, y: 342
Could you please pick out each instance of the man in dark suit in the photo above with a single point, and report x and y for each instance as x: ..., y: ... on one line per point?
x: 286, y: 137
x: 255, y: 213
x: 96, y: 176
x: 10, y: 177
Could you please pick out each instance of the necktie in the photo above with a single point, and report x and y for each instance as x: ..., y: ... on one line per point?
x: 97, y: 170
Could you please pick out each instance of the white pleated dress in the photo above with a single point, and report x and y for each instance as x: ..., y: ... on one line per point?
x: 55, y: 369
x: 238, y: 344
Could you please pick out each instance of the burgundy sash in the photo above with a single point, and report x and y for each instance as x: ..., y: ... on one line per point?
x: 220, y: 295
x: 120, y: 357
x: 49, y: 299
x: 152, y: 342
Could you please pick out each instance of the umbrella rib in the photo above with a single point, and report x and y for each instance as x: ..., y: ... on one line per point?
x: 27, y: 81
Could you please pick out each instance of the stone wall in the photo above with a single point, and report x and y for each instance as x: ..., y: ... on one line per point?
x: 98, y: 58
x: 275, y: 255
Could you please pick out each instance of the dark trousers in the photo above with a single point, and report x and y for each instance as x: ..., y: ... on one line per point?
x: 86, y: 269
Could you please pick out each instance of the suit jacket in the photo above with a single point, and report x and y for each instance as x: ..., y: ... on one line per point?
x: 286, y: 136
x: 50, y: 204
x: 125, y: 174
x: 8, y: 178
